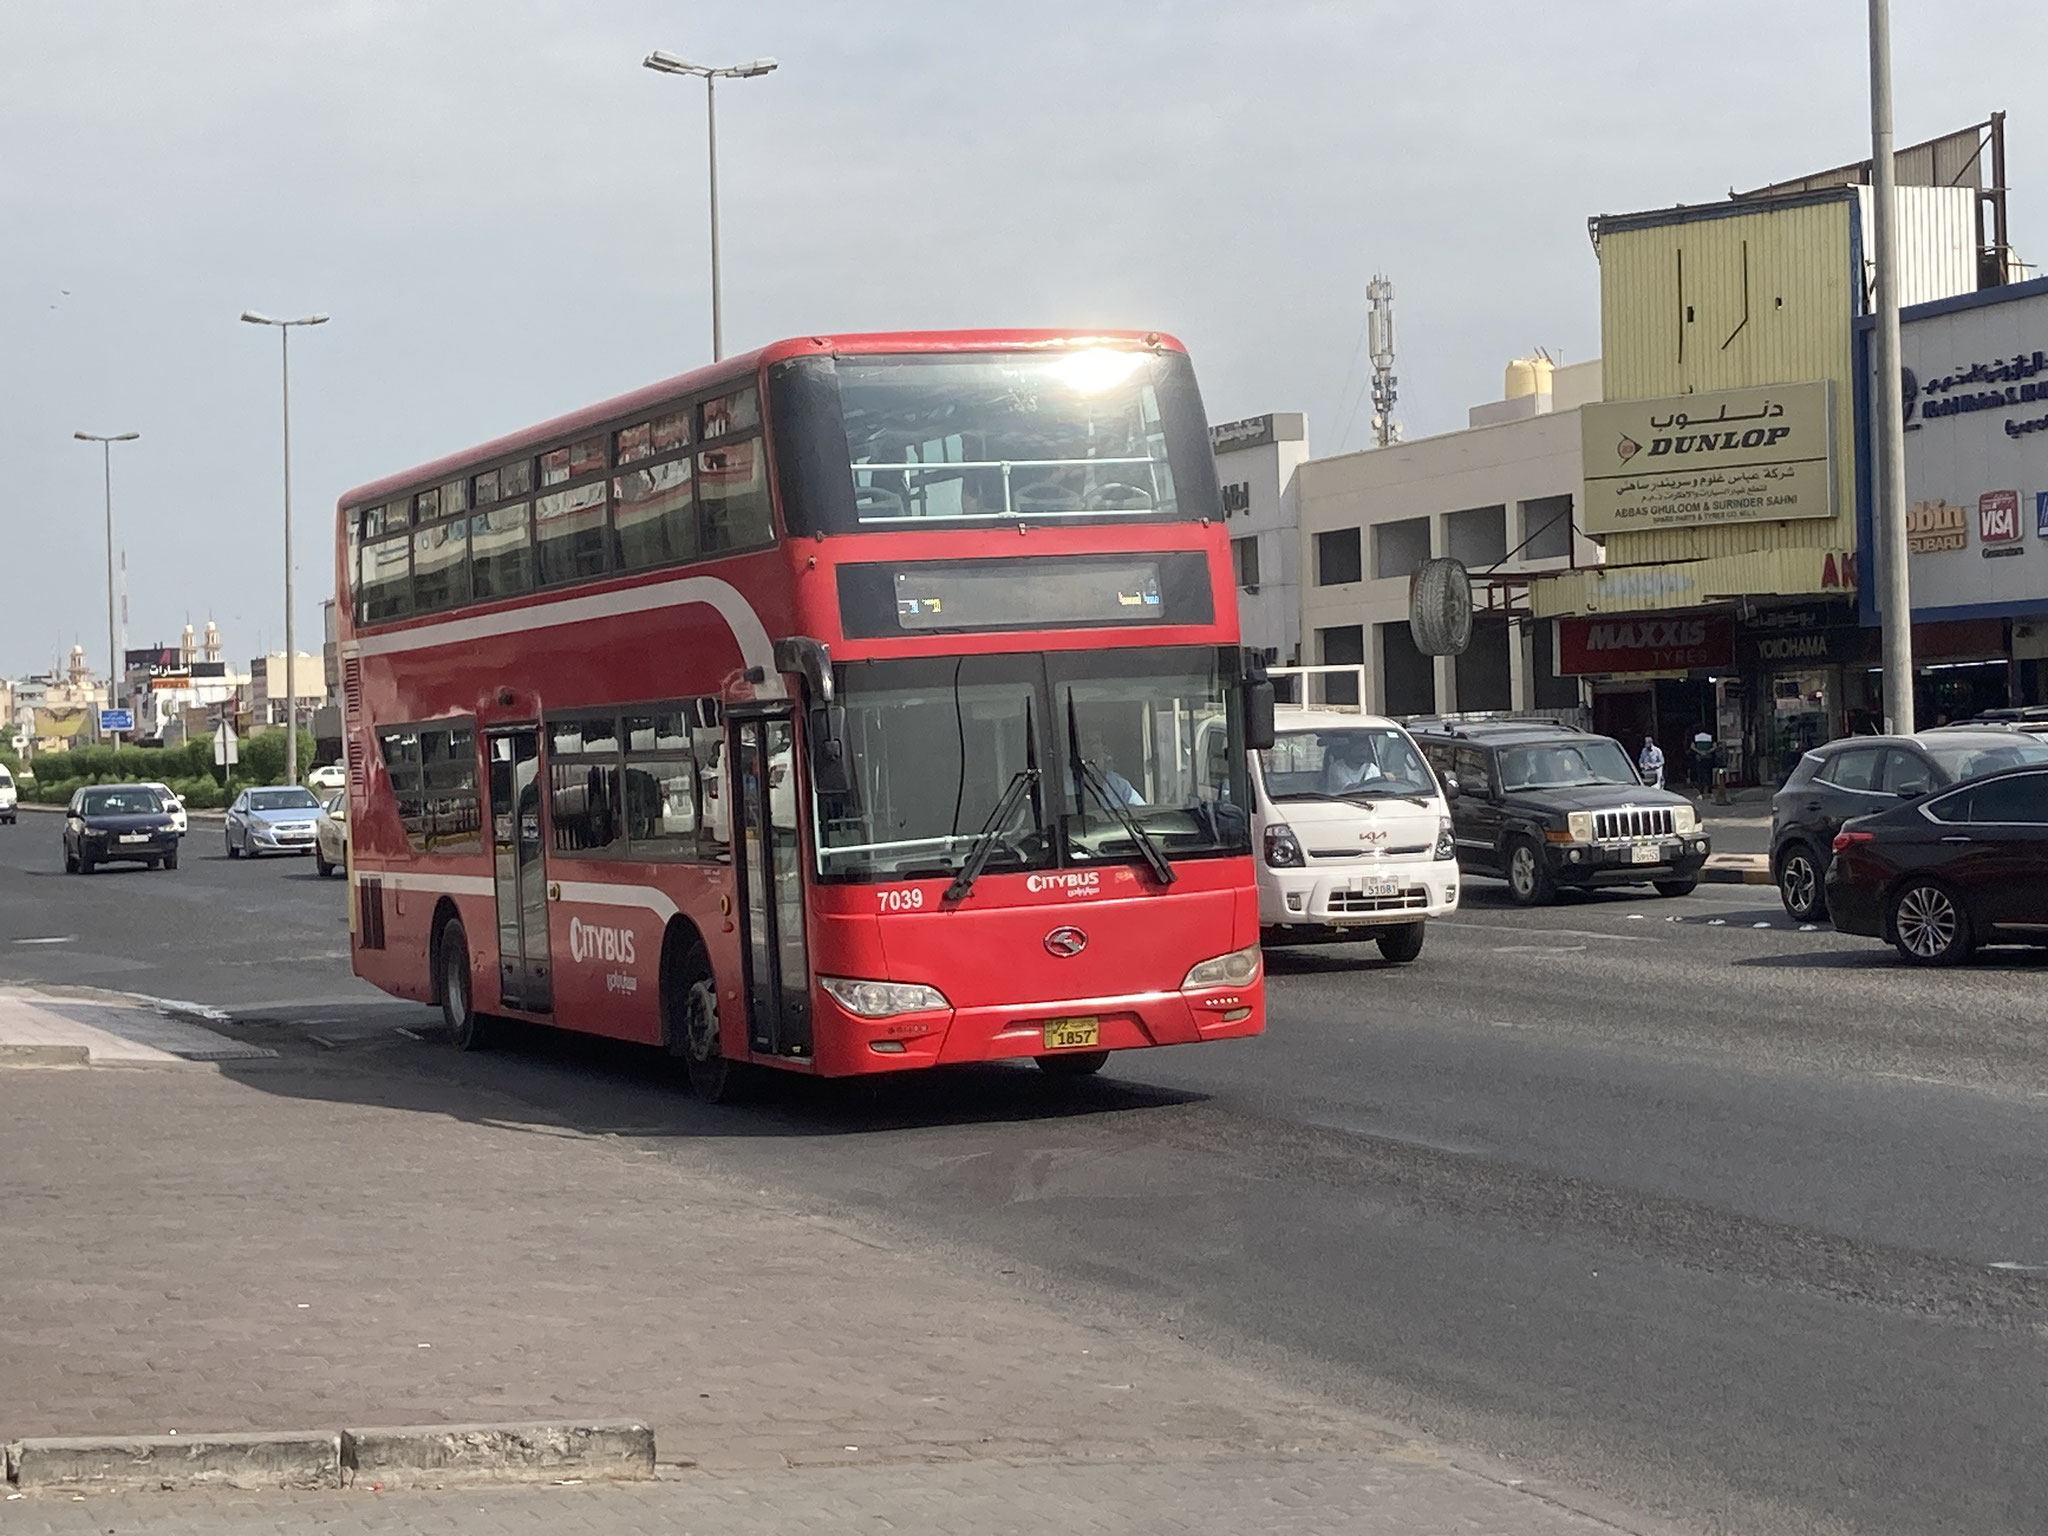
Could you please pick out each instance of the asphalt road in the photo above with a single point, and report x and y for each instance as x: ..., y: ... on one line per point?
x: 1733, y: 1222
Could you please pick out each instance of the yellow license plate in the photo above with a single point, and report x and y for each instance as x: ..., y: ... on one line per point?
x: 1070, y: 1034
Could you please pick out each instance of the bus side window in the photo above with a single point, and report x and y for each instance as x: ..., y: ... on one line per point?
x: 732, y: 497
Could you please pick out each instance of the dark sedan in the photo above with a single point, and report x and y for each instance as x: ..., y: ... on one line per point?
x: 1938, y: 877
x: 1862, y: 775
x: 118, y: 823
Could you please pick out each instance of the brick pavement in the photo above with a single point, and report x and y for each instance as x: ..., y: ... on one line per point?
x: 309, y: 1242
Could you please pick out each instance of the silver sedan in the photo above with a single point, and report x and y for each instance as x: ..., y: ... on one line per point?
x: 280, y: 820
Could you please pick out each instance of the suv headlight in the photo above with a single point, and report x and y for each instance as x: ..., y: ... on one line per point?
x: 1446, y: 844
x: 1232, y: 970
x: 1581, y: 825
x: 1683, y: 819
x: 881, y: 999
x: 1283, y: 849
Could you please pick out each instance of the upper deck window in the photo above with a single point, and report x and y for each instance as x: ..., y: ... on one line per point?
x: 1082, y: 435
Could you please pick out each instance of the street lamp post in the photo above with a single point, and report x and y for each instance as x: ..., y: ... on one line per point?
x: 1888, y: 412
x: 669, y: 64
x: 106, y: 443
x: 291, y: 654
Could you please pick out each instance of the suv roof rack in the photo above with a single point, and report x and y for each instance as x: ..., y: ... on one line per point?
x: 1475, y: 725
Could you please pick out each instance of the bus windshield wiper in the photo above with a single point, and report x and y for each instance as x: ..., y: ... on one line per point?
x: 1021, y: 782
x: 1162, y: 869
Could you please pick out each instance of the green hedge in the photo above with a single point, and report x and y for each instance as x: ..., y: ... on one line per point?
x: 188, y: 769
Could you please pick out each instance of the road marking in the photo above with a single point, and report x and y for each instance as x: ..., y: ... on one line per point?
x: 67, y: 939
x: 1569, y: 933
x: 1538, y: 949
x: 2013, y: 1267
x: 1763, y: 925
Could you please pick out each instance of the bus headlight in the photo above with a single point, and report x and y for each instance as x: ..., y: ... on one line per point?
x: 1232, y: 970
x: 882, y: 999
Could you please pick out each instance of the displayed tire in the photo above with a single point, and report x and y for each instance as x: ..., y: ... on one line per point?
x: 1800, y: 884
x: 1440, y: 607
x: 1675, y: 887
x: 1074, y: 1064
x: 1401, y: 942
x: 1929, y: 925
x: 1529, y: 882
x: 458, y: 1001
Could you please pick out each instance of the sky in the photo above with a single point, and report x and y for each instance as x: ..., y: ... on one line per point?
x: 505, y: 217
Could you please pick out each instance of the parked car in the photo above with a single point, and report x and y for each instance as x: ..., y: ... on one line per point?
x: 326, y: 777
x: 2031, y: 718
x: 7, y: 795
x: 1546, y: 805
x: 330, y: 835
x: 173, y: 803
x: 1859, y: 775
x: 1952, y: 870
x: 118, y: 824
x: 271, y: 821
x: 1353, y: 834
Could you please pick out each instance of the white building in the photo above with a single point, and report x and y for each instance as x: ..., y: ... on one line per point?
x: 1256, y: 460
x: 1501, y: 497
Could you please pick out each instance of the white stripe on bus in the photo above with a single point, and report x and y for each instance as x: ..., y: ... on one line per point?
x: 590, y: 892
x: 747, y: 629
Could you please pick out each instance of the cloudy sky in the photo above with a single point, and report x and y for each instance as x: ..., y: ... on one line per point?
x: 504, y: 214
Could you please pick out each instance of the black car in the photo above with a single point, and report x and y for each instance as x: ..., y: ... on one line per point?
x: 1860, y: 775
x: 1952, y: 870
x: 118, y: 823
x: 1545, y: 805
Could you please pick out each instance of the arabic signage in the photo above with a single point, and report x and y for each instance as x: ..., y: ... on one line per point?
x: 1735, y: 456
x: 1976, y: 397
x: 1645, y: 643
x: 1251, y: 432
x: 1806, y: 635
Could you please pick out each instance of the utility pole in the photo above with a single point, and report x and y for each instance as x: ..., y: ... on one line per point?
x: 106, y: 442
x: 1888, y: 425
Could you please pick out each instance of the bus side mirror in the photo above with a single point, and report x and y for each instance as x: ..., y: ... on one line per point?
x: 1258, y: 703
x: 831, y: 774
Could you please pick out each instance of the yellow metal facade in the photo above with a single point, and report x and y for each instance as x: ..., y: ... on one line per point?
x: 1756, y: 297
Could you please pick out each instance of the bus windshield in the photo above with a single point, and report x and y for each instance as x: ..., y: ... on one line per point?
x: 937, y: 743
x: 1087, y: 435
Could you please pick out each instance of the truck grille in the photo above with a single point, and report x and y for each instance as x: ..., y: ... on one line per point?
x: 1368, y: 853
x: 1628, y: 825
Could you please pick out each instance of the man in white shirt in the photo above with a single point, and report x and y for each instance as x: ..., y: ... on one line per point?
x: 1650, y: 763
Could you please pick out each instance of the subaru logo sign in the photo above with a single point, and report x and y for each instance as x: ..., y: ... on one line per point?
x: 1065, y: 942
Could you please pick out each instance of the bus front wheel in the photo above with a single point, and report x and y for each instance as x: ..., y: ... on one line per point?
x: 690, y: 999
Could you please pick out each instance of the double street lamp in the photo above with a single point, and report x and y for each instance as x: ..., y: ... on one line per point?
x: 710, y: 74
x: 291, y: 649
x: 106, y: 443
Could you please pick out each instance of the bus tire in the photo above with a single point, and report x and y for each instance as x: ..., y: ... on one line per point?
x: 453, y: 982
x: 1074, y: 1064
x: 689, y: 1019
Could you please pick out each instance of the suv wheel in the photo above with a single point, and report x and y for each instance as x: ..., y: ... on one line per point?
x: 1529, y: 881
x: 1800, y: 886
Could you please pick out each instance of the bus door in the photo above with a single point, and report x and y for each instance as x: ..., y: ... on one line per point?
x: 761, y: 782
x: 518, y: 869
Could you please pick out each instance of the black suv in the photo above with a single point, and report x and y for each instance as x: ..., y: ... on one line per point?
x: 1859, y: 775
x: 1543, y: 805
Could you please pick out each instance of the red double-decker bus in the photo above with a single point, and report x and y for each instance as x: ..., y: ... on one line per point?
x: 862, y: 703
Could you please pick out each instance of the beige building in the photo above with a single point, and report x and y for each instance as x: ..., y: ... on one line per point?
x: 1501, y: 497
x: 265, y: 694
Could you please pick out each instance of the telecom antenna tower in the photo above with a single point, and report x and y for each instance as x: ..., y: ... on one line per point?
x: 1379, y: 295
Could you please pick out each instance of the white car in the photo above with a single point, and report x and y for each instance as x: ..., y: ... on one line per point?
x: 330, y: 835
x: 172, y: 803
x: 323, y: 779
x: 1350, y: 832
x: 7, y: 795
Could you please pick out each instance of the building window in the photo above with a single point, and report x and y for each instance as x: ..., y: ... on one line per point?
x: 1484, y: 681
x: 1244, y: 555
x: 1547, y: 689
x: 1398, y: 549
x: 1407, y: 677
x: 1337, y: 558
x: 1547, y: 528
x: 1343, y: 646
x: 1477, y: 536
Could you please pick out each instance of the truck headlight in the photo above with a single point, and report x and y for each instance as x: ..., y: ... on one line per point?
x: 882, y: 999
x: 1283, y: 849
x: 1446, y: 844
x: 1231, y: 970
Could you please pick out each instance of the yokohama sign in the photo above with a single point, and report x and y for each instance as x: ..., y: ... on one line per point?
x: 1652, y: 643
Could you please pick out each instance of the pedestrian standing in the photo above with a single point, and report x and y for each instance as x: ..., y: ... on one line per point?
x: 1703, y: 760
x: 1650, y: 763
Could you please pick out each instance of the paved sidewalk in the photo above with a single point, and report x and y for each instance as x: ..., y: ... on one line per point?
x: 1412, y: 1494
x: 106, y: 1030
x: 317, y: 1239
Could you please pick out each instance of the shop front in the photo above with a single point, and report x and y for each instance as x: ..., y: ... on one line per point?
x: 1805, y: 678
x: 1658, y: 675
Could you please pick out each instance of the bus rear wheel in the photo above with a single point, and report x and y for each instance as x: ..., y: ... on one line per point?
x: 1075, y: 1064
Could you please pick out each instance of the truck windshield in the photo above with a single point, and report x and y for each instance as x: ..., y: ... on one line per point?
x: 936, y: 742
x: 1565, y: 765
x: 1360, y: 762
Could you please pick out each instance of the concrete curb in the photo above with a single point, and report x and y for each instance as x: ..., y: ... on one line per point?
x: 1738, y: 874
x: 25, y: 1055
x: 464, y: 1455
x: 133, y: 1463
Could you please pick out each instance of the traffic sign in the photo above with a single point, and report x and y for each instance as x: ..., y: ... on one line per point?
x: 225, y: 754
x: 115, y: 720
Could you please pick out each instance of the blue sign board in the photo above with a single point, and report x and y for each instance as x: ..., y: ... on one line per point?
x: 112, y: 720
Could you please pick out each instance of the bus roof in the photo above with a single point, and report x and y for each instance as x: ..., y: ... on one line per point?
x: 741, y: 366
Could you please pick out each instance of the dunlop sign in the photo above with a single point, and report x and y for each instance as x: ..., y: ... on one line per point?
x: 1736, y: 456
